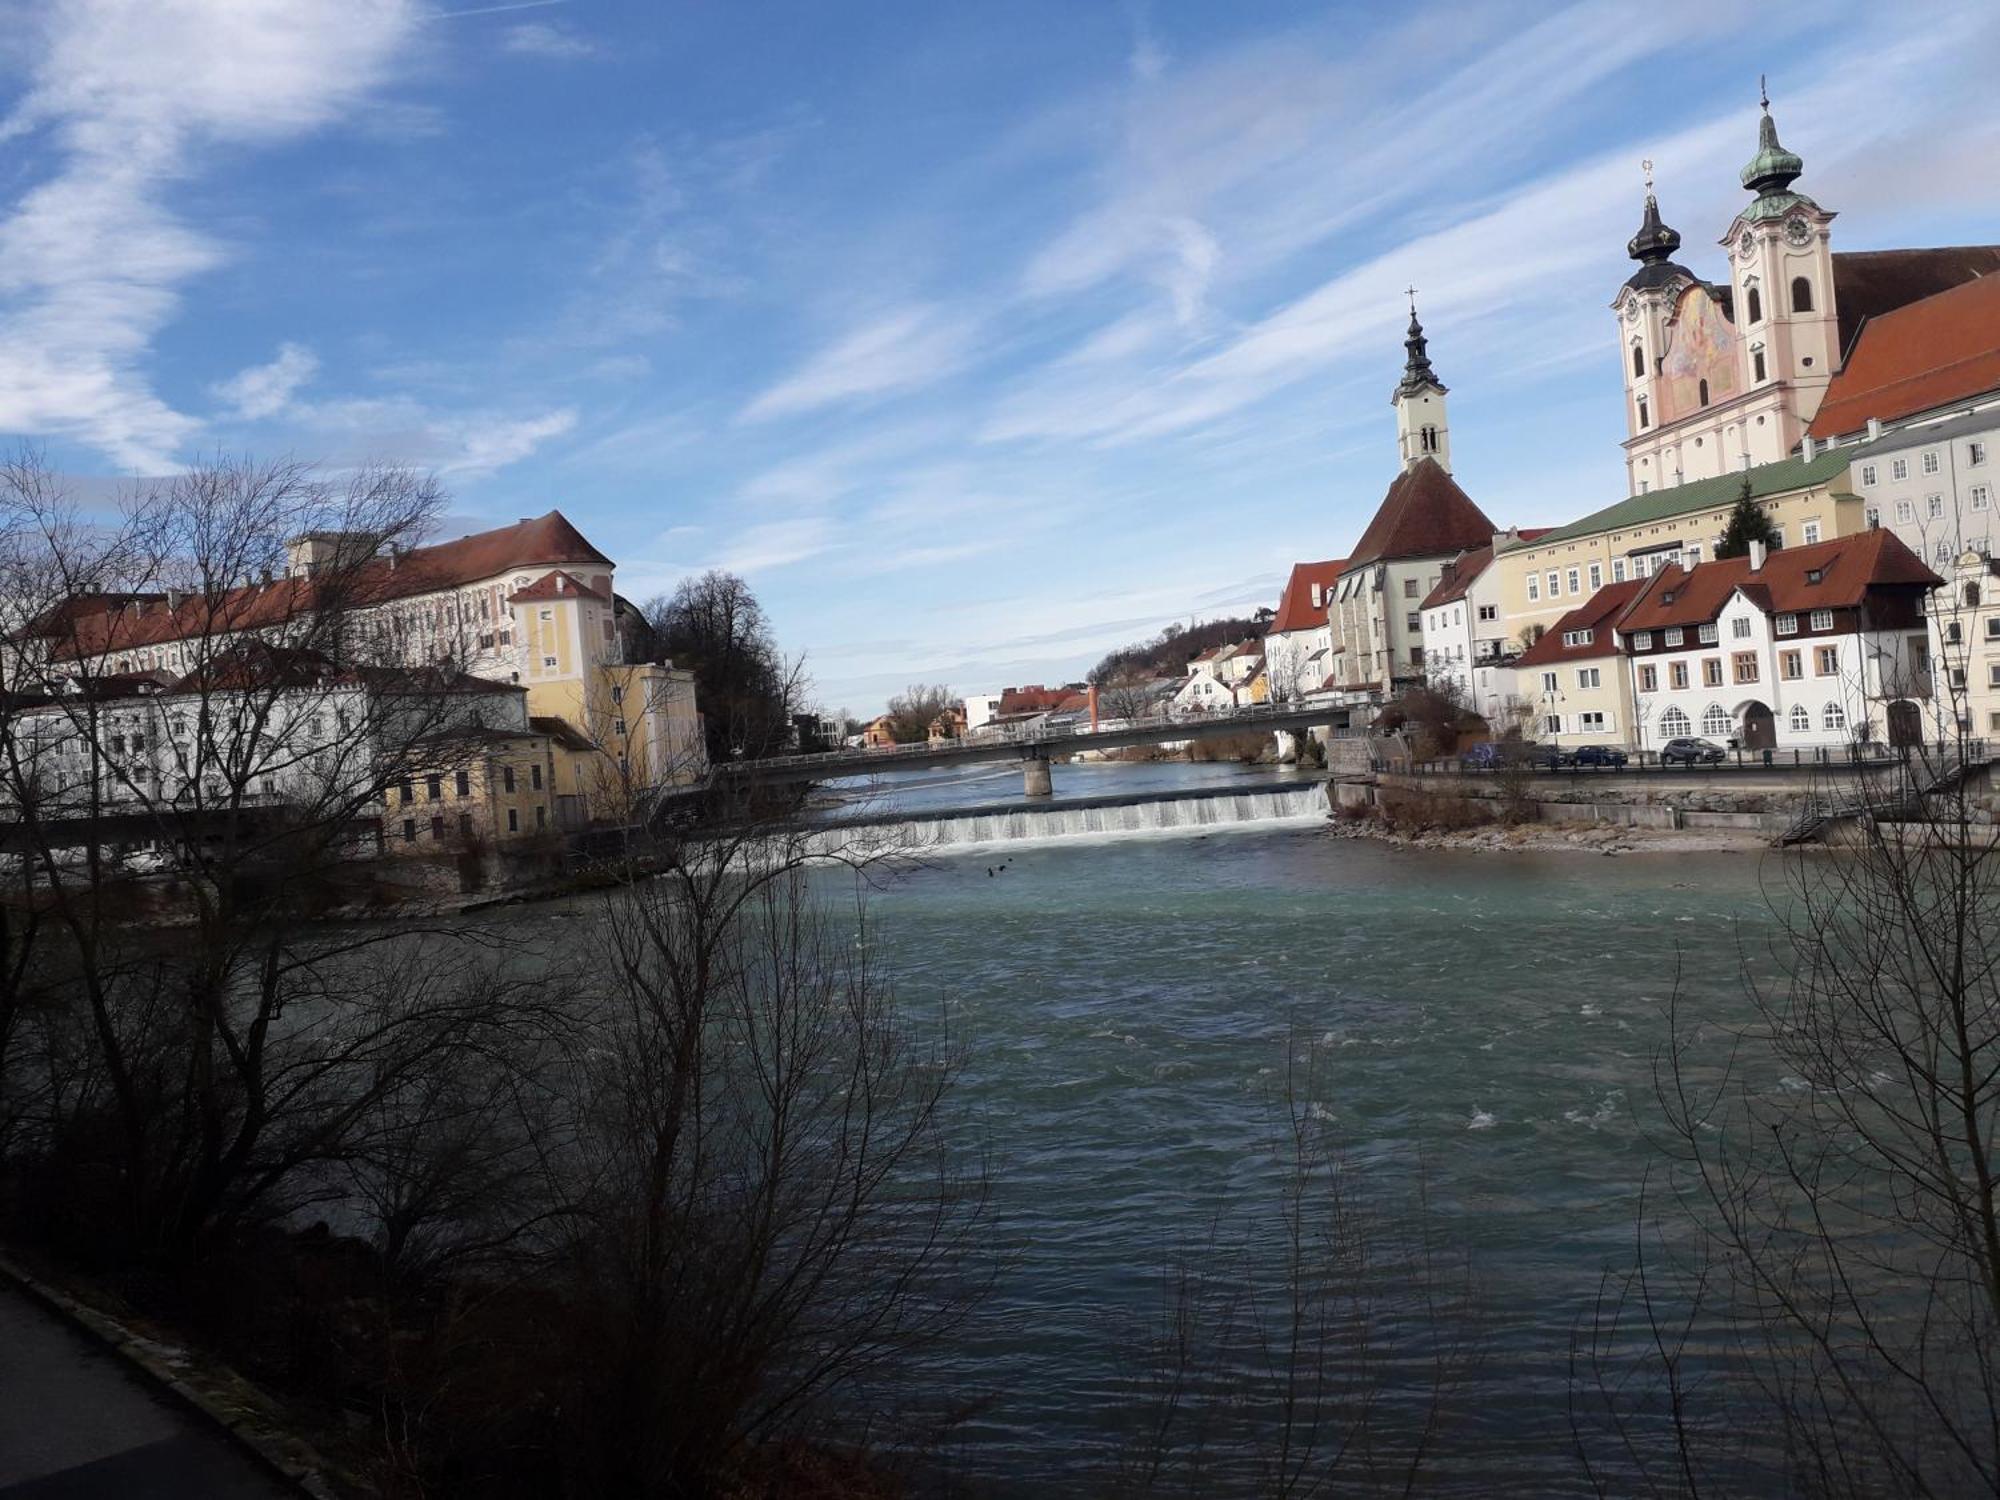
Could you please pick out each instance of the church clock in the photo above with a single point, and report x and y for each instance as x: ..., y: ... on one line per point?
x: 1797, y: 230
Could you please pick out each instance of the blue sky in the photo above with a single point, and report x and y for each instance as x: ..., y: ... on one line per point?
x: 981, y: 338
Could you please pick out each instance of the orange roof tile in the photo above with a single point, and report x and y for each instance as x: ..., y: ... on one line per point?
x: 1459, y: 575
x: 1929, y: 354
x: 1296, y: 610
x: 1598, y: 614
x: 1424, y: 514
x: 1848, y: 567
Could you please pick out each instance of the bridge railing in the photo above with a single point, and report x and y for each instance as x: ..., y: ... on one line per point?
x: 1250, y: 718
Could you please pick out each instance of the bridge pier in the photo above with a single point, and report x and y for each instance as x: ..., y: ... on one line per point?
x: 1035, y: 779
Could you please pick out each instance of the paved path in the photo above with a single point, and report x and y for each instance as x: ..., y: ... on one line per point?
x: 78, y: 1423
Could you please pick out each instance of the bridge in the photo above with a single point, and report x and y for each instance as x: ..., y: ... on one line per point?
x: 1034, y: 747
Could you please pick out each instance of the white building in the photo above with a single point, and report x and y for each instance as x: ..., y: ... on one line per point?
x: 1298, y: 649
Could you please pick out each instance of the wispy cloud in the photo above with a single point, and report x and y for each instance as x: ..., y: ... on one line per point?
x: 93, y: 258
x: 540, y: 39
x: 909, y: 347
x: 265, y: 390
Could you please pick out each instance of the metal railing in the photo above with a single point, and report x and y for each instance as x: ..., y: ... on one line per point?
x: 1796, y: 758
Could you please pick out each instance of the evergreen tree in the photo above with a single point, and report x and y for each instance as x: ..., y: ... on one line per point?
x: 1747, y: 524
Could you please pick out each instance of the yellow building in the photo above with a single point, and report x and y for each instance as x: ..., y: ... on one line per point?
x: 485, y: 788
x: 1808, y: 500
x: 1572, y: 685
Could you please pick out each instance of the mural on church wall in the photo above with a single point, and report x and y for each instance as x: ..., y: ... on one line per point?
x: 1701, y: 346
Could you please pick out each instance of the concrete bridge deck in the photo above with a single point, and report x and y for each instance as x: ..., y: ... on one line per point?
x: 1034, y: 749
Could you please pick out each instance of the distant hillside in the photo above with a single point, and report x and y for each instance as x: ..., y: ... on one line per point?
x: 1168, y: 653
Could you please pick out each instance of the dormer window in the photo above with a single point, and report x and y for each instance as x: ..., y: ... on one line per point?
x: 1667, y: 597
x: 1814, y: 575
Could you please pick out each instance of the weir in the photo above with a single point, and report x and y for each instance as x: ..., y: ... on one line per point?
x: 952, y: 828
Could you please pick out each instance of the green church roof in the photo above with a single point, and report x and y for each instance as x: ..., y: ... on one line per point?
x: 1702, y: 494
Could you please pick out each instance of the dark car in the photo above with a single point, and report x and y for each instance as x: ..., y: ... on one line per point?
x: 1598, y: 755
x: 1546, y: 757
x: 1483, y: 757
x: 1692, y: 753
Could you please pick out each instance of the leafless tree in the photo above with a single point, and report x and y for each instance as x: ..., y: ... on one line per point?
x: 913, y: 711
x: 714, y: 626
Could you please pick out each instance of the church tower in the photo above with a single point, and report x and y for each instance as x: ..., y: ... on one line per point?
x: 1781, y: 281
x: 1645, y: 306
x: 1421, y: 430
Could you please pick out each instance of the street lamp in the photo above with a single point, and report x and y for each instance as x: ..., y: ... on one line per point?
x: 1552, y: 695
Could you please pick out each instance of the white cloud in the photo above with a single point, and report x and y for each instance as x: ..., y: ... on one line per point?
x: 266, y: 390
x: 92, y: 259
x: 778, y: 544
x: 906, y: 348
x: 539, y: 39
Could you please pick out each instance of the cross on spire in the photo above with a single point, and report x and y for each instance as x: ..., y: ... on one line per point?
x: 1763, y: 94
x: 1647, y: 167
x: 1411, y: 292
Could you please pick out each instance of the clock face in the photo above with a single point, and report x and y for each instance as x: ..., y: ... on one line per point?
x: 1797, y: 230
x: 1744, y: 243
x: 1632, y: 311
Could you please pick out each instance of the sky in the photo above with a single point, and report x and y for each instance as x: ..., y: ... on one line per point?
x: 979, y: 338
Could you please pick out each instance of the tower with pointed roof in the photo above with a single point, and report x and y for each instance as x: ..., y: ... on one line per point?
x: 1421, y: 429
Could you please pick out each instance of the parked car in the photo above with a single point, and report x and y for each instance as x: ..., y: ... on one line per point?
x: 1686, y: 752
x: 1598, y: 755
x: 1546, y: 757
x: 1483, y: 757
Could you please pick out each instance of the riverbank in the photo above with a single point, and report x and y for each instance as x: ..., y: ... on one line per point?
x: 1548, y: 838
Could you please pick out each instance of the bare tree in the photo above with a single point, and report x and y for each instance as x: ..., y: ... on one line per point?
x: 714, y: 626
x: 913, y: 711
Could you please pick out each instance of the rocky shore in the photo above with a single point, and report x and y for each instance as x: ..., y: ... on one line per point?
x: 1545, y: 838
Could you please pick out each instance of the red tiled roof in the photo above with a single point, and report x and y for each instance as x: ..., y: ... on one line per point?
x: 1934, y: 352
x: 1424, y: 514
x: 1458, y: 576
x: 1295, y: 606
x: 556, y: 585
x: 1848, y: 566
x: 1598, y: 614
x: 145, y: 621
x: 1869, y: 283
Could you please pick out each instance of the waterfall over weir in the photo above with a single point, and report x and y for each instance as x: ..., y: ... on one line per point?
x: 953, y: 828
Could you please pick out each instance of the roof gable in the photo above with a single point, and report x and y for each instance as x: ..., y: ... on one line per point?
x: 1848, y: 567
x: 1459, y: 575
x: 1598, y: 614
x: 1424, y: 514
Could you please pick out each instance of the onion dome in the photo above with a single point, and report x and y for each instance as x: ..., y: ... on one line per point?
x: 1653, y: 247
x: 1773, y: 169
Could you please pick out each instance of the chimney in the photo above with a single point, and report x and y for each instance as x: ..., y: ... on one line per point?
x: 1093, y: 708
x: 173, y: 599
x: 1756, y: 557
x: 1874, y: 428
x: 1806, y: 447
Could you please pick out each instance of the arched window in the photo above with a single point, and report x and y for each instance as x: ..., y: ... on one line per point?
x: 1801, y: 719
x: 1801, y: 295
x: 1835, y: 717
x: 1715, y: 720
x: 1756, y: 301
x: 1972, y: 594
x: 1638, y: 359
x: 1757, y: 363
x: 1645, y: 414
x: 1704, y: 393
x: 1674, y: 724
x: 1430, y: 439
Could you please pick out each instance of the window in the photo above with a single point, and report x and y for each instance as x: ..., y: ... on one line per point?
x: 1645, y: 415
x: 1649, y: 678
x: 1715, y: 720
x: 1409, y: 588
x: 1868, y: 473
x: 433, y: 788
x: 535, y: 777
x: 513, y: 820
x: 547, y: 615
x: 1757, y: 372
x: 1834, y: 716
x: 1788, y: 624
x: 1930, y: 461
x: 1677, y: 674
x: 1578, y: 637
x: 1674, y: 636
x: 1739, y: 628
x: 1905, y: 511
x: 1552, y: 724
x: 1993, y: 674
x: 1801, y: 719
x: 437, y: 829
x: 1642, y: 640
x: 1744, y: 665
x: 1574, y: 581
x: 1791, y: 665
x: 617, y: 726
x: 1951, y: 633
x: 1429, y: 438
x: 1826, y: 660
x: 541, y: 817
x: 1874, y: 516
x: 1934, y: 504
x: 1993, y: 628
x: 1755, y: 302
x: 1981, y: 497
x: 465, y: 825
x: 463, y: 783
x: 1590, y: 723
x: 1702, y: 392
x: 618, y: 693
x: 1489, y: 612
x: 1596, y: 577
x: 1555, y: 586
x: 1707, y: 633
x: 1801, y: 295
x: 1413, y: 621
x: 1899, y: 468
x: 1942, y: 551
x: 1618, y: 570
x: 1588, y: 677
x: 1534, y: 587
x: 409, y: 830
x: 406, y: 793
x: 1711, y: 671
x: 1638, y: 358
x: 1811, y: 532
x: 507, y: 779
x: 549, y: 662
x: 1674, y: 724
x: 1694, y: 555
x: 1548, y: 682
x: 1975, y: 454
x: 1822, y: 619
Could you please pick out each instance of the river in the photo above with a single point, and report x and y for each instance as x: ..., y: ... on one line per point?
x: 1481, y: 1023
